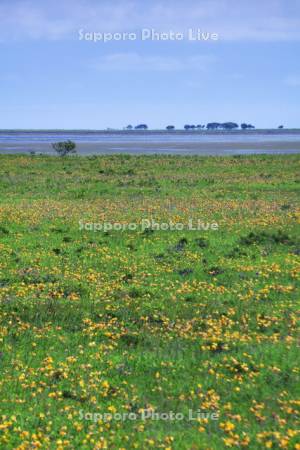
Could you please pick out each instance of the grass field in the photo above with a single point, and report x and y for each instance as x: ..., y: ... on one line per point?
x: 148, y: 321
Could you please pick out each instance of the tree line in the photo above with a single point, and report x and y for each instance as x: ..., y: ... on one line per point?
x: 209, y: 126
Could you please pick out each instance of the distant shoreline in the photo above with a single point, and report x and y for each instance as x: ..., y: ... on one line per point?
x: 274, y: 131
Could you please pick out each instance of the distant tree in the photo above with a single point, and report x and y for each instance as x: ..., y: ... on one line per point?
x: 229, y: 125
x: 245, y: 126
x: 281, y: 126
x: 142, y: 126
x: 170, y: 127
x: 64, y: 148
x: 194, y: 127
x: 213, y: 125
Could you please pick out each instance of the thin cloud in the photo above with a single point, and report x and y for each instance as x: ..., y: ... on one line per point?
x: 258, y: 20
x: 292, y: 80
x: 135, y: 61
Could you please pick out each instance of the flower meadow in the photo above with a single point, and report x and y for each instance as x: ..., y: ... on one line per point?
x: 149, y: 338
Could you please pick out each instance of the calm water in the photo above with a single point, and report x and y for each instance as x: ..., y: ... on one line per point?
x: 177, y: 142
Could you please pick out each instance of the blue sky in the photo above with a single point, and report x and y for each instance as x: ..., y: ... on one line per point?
x: 50, y: 78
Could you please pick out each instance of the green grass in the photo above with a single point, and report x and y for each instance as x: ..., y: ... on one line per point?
x: 92, y: 322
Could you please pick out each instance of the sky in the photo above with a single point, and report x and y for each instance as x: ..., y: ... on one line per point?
x: 244, y: 67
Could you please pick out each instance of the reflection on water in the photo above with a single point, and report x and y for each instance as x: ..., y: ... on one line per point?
x: 152, y: 136
x: 176, y: 142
